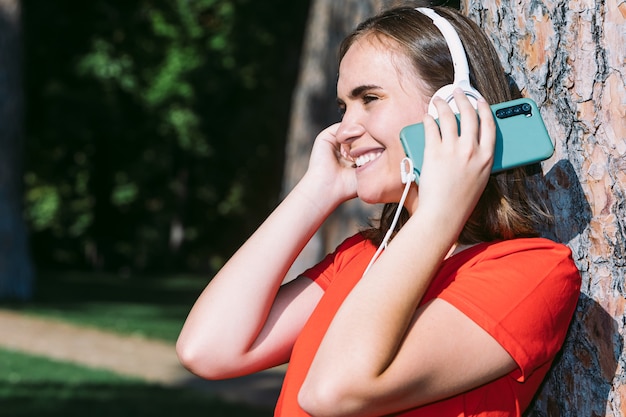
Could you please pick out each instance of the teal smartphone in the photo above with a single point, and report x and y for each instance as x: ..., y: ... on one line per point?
x: 521, y: 137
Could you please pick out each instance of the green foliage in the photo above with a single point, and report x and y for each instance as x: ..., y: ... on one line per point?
x: 102, y: 63
x: 145, y: 116
x: 43, y: 203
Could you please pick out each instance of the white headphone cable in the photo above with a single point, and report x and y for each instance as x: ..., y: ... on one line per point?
x: 408, y: 176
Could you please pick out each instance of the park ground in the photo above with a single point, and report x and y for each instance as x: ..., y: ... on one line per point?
x: 151, y: 360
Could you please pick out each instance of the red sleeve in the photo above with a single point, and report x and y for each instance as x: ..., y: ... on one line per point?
x: 354, y: 248
x: 523, y: 295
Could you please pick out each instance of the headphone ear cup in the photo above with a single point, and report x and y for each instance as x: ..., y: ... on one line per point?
x: 447, y: 94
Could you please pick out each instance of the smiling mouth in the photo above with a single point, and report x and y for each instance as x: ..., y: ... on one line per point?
x: 366, y: 158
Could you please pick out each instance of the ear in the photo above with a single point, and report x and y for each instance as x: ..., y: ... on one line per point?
x: 459, y: 61
x: 446, y: 93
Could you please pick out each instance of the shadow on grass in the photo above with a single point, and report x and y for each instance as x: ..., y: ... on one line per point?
x: 152, y: 306
x: 70, y: 287
x: 47, y: 399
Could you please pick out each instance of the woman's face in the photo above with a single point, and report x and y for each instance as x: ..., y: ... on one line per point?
x: 379, y: 94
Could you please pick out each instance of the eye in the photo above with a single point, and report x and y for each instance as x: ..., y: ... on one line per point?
x: 368, y: 98
x: 341, y: 107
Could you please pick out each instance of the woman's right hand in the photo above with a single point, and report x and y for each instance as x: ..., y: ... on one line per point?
x: 456, y: 165
x: 329, y: 169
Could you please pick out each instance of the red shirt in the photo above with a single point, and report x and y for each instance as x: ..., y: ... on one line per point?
x: 523, y: 292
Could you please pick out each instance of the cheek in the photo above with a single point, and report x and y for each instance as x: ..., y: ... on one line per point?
x: 415, y: 110
x: 386, y: 126
x: 408, y: 115
x: 396, y: 155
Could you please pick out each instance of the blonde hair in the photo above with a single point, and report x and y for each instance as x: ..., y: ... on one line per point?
x: 508, y: 207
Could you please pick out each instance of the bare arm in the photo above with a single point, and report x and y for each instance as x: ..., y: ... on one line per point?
x: 381, y: 354
x: 244, y: 321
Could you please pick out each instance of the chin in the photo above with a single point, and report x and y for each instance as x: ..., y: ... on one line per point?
x: 371, y: 197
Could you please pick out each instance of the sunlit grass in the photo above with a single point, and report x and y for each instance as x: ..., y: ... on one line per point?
x: 37, y: 387
x: 150, y: 306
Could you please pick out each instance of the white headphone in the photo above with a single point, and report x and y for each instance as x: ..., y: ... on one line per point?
x: 459, y: 60
x: 461, y: 80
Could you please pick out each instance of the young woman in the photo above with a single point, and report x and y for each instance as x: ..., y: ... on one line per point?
x: 464, y: 310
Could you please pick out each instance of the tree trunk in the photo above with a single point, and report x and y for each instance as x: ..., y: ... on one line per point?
x: 16, y: 274
x: 314, y: 107
x: 569, y: 57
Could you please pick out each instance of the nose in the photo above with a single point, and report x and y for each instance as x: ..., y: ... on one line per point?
x: 349, y: 129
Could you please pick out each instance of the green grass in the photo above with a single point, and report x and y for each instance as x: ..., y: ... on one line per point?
x: 31, y: 386
x: 154, y: 307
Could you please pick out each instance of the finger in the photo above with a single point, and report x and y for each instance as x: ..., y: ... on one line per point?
x: 469, y: 118
x: 329, y: 135
x: 487, y: 127
x: 331, y: 132
x: 431, y: 129
x: 447, y: 120
x: 342, y: 149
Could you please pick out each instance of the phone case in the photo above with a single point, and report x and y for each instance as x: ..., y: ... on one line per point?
x: 521, y: 137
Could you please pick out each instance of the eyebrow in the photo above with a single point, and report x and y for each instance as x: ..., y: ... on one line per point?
x: 358, y: 91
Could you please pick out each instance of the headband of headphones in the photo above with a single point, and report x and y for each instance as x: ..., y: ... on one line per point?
x: 459, y: 60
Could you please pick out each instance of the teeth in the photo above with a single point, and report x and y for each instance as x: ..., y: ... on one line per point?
x: 364, y: 159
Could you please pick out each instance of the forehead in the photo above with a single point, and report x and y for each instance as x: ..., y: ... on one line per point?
x: 373, y: 61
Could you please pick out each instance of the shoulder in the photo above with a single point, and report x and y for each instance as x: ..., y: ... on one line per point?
x: 523, y: 275
x: 521, y: 291
x: 538, y: 254
x: 530, y: 246
x: 354, y: 253
x: 355, y: 244
x: 527, y: 262
x: 523, y: 261
x: 353, y: 247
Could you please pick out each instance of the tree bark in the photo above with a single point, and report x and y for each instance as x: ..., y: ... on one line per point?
x: 569, y: 57
x: 16, y: 273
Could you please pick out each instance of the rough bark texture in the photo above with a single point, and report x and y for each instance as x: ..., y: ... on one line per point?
x: 569, y: 57
x: 15, y: 265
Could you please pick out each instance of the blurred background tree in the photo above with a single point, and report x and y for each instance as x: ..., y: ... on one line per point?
x: 155, y: 128
x: 16, y: 272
